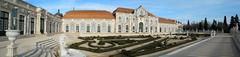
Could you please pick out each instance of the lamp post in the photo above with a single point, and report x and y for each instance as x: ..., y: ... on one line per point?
x: 12, y: 34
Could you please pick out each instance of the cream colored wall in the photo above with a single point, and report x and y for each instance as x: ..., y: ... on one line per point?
x: 167, y: 28
x: 93, y: 23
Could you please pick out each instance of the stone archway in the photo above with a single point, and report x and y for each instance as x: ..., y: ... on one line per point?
x: 141, y: 27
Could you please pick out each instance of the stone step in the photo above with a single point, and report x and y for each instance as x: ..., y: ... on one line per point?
x: 36, y: 53
x: 44, y: 54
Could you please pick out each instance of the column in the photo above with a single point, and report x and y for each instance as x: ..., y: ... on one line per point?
x: 56, y: 27
x: 28, y: 23
x: 37, y: 22
x: 25, y: 24
x: 45, y: 23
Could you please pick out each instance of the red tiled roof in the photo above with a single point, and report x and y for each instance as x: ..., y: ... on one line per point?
x: 169, y: 21
x: 129, y: 10
x: 88, y: 14
x: 124, y: 10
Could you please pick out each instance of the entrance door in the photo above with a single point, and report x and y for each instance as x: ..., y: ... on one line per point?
x: 3, y: 22
x: 140, y: 27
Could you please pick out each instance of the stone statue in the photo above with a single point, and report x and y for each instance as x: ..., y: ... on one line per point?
x: 14, y: 20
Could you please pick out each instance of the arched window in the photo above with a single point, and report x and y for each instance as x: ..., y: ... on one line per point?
x: 119, y: 28
x: 99, y: 28
x: 141, y: 27
x: 88, y: 28
x: 109, y: 28
x: 126, y: 28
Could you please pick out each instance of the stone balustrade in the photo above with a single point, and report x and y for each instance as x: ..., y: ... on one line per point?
x: 236, y: 37
x: 45, y: 48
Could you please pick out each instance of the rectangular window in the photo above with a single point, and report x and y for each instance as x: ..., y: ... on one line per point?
x: 119, y: 28
x: 67, y: 28
x: 155, y: 29
x: 1, y: 25
x: 126, y: 28
x: 98, y: 28
x: 133, y: 29
x: 77, y: 28
x: 32, y: 25
x: 160, y: 29
x: 146, y: 29
x: 88, y: 28
x: 3, y: 21
x: 109, y: 28
x: 21, y: 23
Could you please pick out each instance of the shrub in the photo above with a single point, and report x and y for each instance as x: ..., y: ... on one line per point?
x: 194, y: 38
x: 101, y: 43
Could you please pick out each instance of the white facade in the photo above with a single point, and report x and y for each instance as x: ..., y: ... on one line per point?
x: 29, y: 19
x: 138, y: 22
x: 88, y: 25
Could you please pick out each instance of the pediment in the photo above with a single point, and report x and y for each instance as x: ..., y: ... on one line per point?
x: 141, y: 12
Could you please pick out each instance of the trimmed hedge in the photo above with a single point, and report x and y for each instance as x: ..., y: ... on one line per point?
x: 114, y: 37
x: 100, y: 50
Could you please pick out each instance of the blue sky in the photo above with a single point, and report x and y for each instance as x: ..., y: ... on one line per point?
x: 181, y: 10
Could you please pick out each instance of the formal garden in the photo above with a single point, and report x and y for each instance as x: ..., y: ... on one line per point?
x: 155, y: 43
x: 99, y: 44
x: 159, y: 45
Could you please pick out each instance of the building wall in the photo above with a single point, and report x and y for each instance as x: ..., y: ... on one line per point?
x: 124, y: 23
x: 27, y: 17
x: 81, y: 25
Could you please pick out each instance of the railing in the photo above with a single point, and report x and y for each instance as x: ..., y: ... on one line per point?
x: 45, y: 48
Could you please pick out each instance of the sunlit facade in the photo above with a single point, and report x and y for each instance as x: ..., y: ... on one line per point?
x: 29, y: 19
x: 122, y: 20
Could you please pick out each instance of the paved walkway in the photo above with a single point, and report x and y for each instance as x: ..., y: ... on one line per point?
x: 24, y: 44
x: 219, y: 46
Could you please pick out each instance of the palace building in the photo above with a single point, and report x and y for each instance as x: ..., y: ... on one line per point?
x: 121, y: 20
x: 29, y: 18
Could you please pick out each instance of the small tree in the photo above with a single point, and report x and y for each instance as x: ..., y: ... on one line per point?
x: 237, y: 20
x: 200, y: 26
x: 232, y: 23
x: 220, y: 26
x: 206, y: 24
x: 225, y: 25
x: 188, y: 25
x: 214, y: 25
